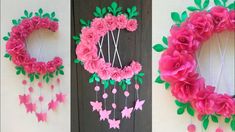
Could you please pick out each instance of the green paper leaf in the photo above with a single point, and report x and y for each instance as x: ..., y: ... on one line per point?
x: 76, y: 61
x: 92, y: 79
x: 106, y: 84
x: 6, y: 38
x: 46, y: 15
x: 26, y: 13
x: 47, y: 79
x: 175, y: 17
x: 7, y: 55
x: 214, y: 118
x: 23, y: 71
x: 232, y: 124
x: 192, y: 8
x: 97, y: 79
x: 180, y: 111
x: 40, y: 11
x: 53, y: 14
x: 159, y: 80
x: 232, y: 6
x: 198, y: 3
x: 184, y: 16
x: 18, y: 72
x: 206, y: 4
x: 128, y: 81
x: 37, y: 76
x: 51, y: 75
x: 205, y: 123
x: 55, y: 19
x: 158, y: 48
x: 218, y: 3
x: 179, y: 103
x: 31, y: 14
x: 140, y: 80
x: 227, y: 120
x: 190, y: 110
x: 112, y: 82
x: 31, y: 77
x: 167, y: 85
x: 165, y: 40
x: 61, y: 72
x: 141, y: 74
x: 14, y: 22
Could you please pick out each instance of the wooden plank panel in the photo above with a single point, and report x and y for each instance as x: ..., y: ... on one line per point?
x: 136, y: 45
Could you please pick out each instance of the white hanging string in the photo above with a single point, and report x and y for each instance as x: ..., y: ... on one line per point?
x: 108, y: 47
x: 115, y: 42
x: 100, y: 46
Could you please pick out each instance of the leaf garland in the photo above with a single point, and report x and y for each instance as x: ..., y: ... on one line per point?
x: 161, y: 47
x: 179, y: 18
x: 184, y: 107
x: 115, y: 9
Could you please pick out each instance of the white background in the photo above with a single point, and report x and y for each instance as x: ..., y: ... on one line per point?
x: 13, y: 116
x: 165, y: 118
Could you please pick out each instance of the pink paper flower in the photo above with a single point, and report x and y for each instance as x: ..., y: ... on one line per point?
x: 29, y: 66
x: 57, y: 61
x: 232, y: 20
x: 183, y: 39
x: 45, y: 23
x: 41, y: 68
x: 136, y: 67
x: 36, y: 22
x: 104, y: 71
x: 132, y: 25
x: 111, y: 22
x: 128, y: 72
x: 201, y: 23
x: 15, y: 46
x: 175, y: 66
x: 86, y: 52
x: 185, y: 91
x: 93, y: 65
x: 204, y: 101
x: 116, y: 74
x: 100, y: 26
x: 51, y: 67
x: 224, y: 105
x: 54, y: 26
x: 20, y: 59
x: 220, y: 17
x: 122, y: 21
x: 90, y: 35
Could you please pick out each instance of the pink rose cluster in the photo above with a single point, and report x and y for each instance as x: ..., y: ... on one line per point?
x: 178, y: 63
x: 86, y: 50
x: 15, y: 46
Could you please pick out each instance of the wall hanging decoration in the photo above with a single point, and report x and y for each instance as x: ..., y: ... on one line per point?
x: 90, y: 53
x: 179, y: 62
x: 38, y: 75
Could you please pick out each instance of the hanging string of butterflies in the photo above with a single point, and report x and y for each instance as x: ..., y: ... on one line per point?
x: 108, y: 21
x: 37, y: 76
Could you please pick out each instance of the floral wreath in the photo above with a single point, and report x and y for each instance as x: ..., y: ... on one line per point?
x: 107, y: 21
x: 178, y: 63
x: 34, y: 71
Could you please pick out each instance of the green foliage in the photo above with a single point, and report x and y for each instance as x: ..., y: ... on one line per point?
x: 124, y: 83
x: 51, y: 15
x: 100, y: 13
x: 183, y: 107
x: 77, y: 39
x: 20, y: 70
x: 115, y: 9
x: 199, y: 5
x: 161, y: 47
x: 179, y: 18
x: 94, y: 77
x: 139, y: 77
x: 85, y: 23
x: 132, y: 12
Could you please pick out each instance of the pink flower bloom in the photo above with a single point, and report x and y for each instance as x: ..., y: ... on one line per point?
x: 182, y: 39
x: 50, y: 66
x: 93, y: 65
x: 36, y: 22
x: 116, y: 74
x: 204, y: 101
x: 175, y: 66
x: 45, y: 23
x: 122, y: 21
x: 41, y: 68
x: 29, y: 66
x: 132, y: 25
x: 57, y: 61
x: 232, y: 20
x: 201, y: 24
x: 220, y: 17
x: 26, y: 26
x: 104, y: 71
x: 15, y: 46
x: 111, y: 22
x: 224, y: 105
x: 128, y: 72
x: 185, y: 91
x: 90, y: 36
x: 20, y: 59
x: 100, y: 26
x: 136, y: 67
x: 54, y: 26
x: 86, y: 52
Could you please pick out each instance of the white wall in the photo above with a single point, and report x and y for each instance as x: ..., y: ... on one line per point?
x: 13, y: 116
x: 164, y: 110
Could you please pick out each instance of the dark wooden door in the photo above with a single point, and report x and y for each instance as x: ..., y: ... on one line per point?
x: 136, y: 45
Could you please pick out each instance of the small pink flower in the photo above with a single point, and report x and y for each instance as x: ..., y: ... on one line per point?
x: 104, y: 71
x: 201, y: 24
x: 90, y: 36
x: 29, y: 65
x: 100, y: 26
x: 111, y: 22
x: 86, y: 52
x: 136, y: 67
x: 232, y: 20
x: 15, y: 46
x: 41, y: 68
x: 36, y: 22
x: 45, y: 23
x: 122, y: 21
x: 51, y: 67
x: 128, y: 72
x: 132, y: 25
x: 185, y: 91
x: 204, y: 102
x: 54, y: 26
x: 20, y: 59
x: 224, y: 105
x: 175, y: 66
x: 93, y: 65
x: 57, y: 61
x: 220, y: 17
x: 116, y: 74
x: 182, y: 39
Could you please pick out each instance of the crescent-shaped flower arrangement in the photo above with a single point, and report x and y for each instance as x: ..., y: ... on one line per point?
x: 37, y: 74
x: 178, y: 63
x: 108, y: 21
